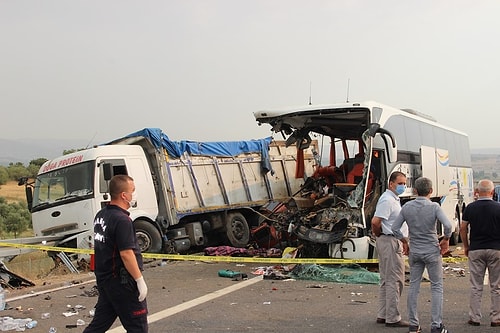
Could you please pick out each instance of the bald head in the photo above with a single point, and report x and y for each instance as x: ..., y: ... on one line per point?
x: 485, y: 188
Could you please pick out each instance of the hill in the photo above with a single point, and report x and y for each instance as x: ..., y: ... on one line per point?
x: 24, y: 150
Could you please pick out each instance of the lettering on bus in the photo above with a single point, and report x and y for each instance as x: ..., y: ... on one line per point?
x: 62, y: 163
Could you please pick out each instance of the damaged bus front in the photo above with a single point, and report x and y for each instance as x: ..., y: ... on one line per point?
x: 358, y: 153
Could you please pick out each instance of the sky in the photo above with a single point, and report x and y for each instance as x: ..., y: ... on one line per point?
x: 98, y: 70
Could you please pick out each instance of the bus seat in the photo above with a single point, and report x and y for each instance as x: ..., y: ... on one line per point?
x: 356, y: 174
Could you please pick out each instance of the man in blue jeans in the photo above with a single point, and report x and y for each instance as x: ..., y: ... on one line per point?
x: 391, y: 264
x: 424, y: 251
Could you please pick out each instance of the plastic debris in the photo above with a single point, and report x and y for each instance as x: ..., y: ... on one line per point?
x: 353, y: 274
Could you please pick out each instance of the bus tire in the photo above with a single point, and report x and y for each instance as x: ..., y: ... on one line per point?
x: 148, y: 236
x: 237, y: 230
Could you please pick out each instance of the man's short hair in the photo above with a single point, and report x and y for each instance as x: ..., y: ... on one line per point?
x: 119, y: 184
x: 423, y: 186
x: 395, y: 175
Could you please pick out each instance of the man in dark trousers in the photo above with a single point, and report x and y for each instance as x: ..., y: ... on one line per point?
x: 482, y: 247
x: 118, y: 264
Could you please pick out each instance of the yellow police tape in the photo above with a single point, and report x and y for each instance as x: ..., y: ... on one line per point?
x: 323, y: 261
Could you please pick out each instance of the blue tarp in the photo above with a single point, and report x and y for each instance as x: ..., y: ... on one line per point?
x: 220, y: 148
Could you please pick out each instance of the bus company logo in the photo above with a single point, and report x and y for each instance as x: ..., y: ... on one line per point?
x: 62, y: 163
x: 443, y: 158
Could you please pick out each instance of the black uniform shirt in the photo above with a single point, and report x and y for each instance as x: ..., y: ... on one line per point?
x: 113, y: 232
x: 483, y: 216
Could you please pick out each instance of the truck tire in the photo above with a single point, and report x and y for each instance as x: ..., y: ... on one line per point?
x: 148, y: 236
x: 237, y: 230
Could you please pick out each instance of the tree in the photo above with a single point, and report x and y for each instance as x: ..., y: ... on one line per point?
x: 70, y: 151
x: 35, y: 165
x: 14, y: 217
x: 4, y: 175
x: 17, y: 171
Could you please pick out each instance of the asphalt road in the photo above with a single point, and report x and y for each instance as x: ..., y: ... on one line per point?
x: 191, y: 297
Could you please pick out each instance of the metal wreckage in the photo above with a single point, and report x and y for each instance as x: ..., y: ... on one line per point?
x: 364, y: 143
x: 324, y: 219
x: 328, y: 216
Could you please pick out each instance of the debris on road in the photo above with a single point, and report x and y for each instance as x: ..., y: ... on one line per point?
x: 11, y: 280
x: 353, y: 274
x: 236, y: 276
x: 242, y: 252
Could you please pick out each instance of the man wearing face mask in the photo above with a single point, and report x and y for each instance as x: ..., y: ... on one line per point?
x: 390, y: 252
x: 118, y: 264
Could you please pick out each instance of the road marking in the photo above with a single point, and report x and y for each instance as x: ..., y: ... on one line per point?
x: 38, y: 293
x: 192, y: 303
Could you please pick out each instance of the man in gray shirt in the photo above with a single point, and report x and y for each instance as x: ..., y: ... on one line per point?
x: 424, y: 251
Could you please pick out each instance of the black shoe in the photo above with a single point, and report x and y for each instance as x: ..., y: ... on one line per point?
x: 473, y: 323
x: 380, y: 321
x: 441, y: 329
x: 415, y: 329
x: 495, y: 324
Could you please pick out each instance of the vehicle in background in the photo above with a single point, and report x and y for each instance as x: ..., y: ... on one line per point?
x: 190, y: 194
x: 496, y: 193
x: 361, y: 144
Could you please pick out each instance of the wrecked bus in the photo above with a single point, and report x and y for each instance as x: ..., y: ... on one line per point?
x: 190, y: 194
x: 361, y: 144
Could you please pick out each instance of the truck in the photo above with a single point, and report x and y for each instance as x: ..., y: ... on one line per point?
x: 361, y: 144
x: 190, y: 194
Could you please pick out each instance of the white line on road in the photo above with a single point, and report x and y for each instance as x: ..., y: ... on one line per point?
x: 192, y: 303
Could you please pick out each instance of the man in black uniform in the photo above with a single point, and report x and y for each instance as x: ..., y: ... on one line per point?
x: 118, y: 264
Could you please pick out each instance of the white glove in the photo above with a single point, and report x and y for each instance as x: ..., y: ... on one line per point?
x: 143, y: 289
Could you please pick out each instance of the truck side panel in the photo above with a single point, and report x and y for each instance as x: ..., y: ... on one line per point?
x: 201, y: 184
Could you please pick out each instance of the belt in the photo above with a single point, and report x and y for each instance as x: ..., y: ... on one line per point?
x: 391, y: 235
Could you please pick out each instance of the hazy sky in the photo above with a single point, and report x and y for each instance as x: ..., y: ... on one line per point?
x: 98, y: 70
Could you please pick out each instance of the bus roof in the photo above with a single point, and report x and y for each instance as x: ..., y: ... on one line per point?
x: 301, y: 116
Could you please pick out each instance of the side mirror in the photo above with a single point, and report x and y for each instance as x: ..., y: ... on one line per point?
x: 391, y: 148
x: 107, y: 171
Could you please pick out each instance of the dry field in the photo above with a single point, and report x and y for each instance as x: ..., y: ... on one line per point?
x: 12, y: 192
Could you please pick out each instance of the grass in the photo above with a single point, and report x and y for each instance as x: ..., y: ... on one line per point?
x: 12, y: 192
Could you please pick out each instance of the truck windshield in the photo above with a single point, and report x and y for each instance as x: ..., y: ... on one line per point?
x: 71, y: 183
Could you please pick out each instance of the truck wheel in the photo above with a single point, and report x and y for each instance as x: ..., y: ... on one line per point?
x: 148, y: 236
x: 237, y: 230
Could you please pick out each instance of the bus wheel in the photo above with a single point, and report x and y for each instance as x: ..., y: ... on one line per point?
x: 148, y: 236
x: 237, y: 230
